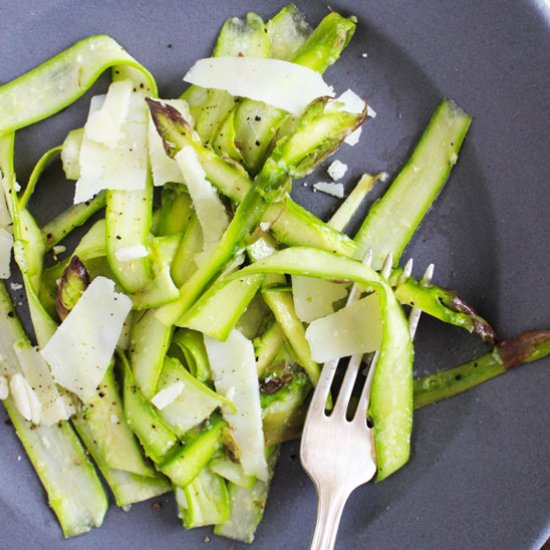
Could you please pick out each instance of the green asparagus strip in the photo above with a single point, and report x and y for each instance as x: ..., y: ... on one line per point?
x: 267, y: 346
x: 176, y: 211
x: 91, y: 247
x: 194, y: 404
x: 282, y: 306
x: 75, y: 216
x: 207, y: 500
x: 247, y: 506
x: 28, y: 245
x: 41, y: 165
x: 224, y: 141
x: 70, y: 154
x: 507, y: 354
x: 183, y: 265
x: 127, y: 488
x: 231, y: 471
x: 73, y: 283
x: 218, y: 310
x: 392, y: 221
x: 55, y: 452
x: 255, y: 318
x: 188, y: 346
x: 351, y: 204
x: 149, y: 341
x: 287, y: 31
x: 293, y: 225
x: 445, y: 305
x: 61, y: 80
x: 325, y: 44
x: 156, y: 438
x: 162, y: 289
x: 183, y: 466
x: 119, y: 450
x: 284, y: 390
x: 128, y: 215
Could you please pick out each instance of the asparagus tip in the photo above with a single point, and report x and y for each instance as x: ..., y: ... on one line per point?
x: 523, y: 348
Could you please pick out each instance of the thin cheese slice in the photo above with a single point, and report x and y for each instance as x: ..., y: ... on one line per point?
x: 349, y: 102
x: 25, y: 398
x: 164, y: 168
x: 276, y: 82
x: 129, y: 253
x: 81, y: 348
x: 330, y: 188
x: 122, y: 166
x: 357, y: 328
x: 210, y: 210
x: 233, y: 365
x: 167, y: 395
x: 5, y: 216
x: 4, y: 388
x: 6, y: 245
x: 105, y: 125
x: 337, y: 170
x: 315, y: 298
x: 39, y: 377
x: 354, y: 137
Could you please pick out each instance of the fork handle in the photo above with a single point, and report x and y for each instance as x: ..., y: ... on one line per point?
x: 329, y: 511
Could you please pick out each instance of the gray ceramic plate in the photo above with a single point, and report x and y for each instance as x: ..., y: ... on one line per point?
x: 479, y: 476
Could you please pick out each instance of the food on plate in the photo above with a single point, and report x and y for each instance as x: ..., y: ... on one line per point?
x: 178, y: 342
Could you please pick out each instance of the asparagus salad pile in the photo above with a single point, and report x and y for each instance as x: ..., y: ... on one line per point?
x: 177, y: 344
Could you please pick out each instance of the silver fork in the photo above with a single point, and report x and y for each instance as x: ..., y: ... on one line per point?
x: 336, y: 453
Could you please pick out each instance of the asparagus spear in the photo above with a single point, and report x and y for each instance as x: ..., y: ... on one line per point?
x: 75, y: 216
x: 507, y: 354
x: 443, y: 304
x: 392, y: 220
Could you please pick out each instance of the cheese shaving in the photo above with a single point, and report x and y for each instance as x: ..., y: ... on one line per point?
x: 276, y: 82
x: 118, y: 162
x: 357, y: 328
x: 337, y: 170
x: 25, y: 399
x: 315, y: 298
x: 4, y: 388
x: 233, y: 365
x: 6, y: 245
x: 167, y: 395
x: 82, y: 347
x: 329, y: 188
x: 353, y: 138
x: 129, y: 253
x: 210, y: 210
